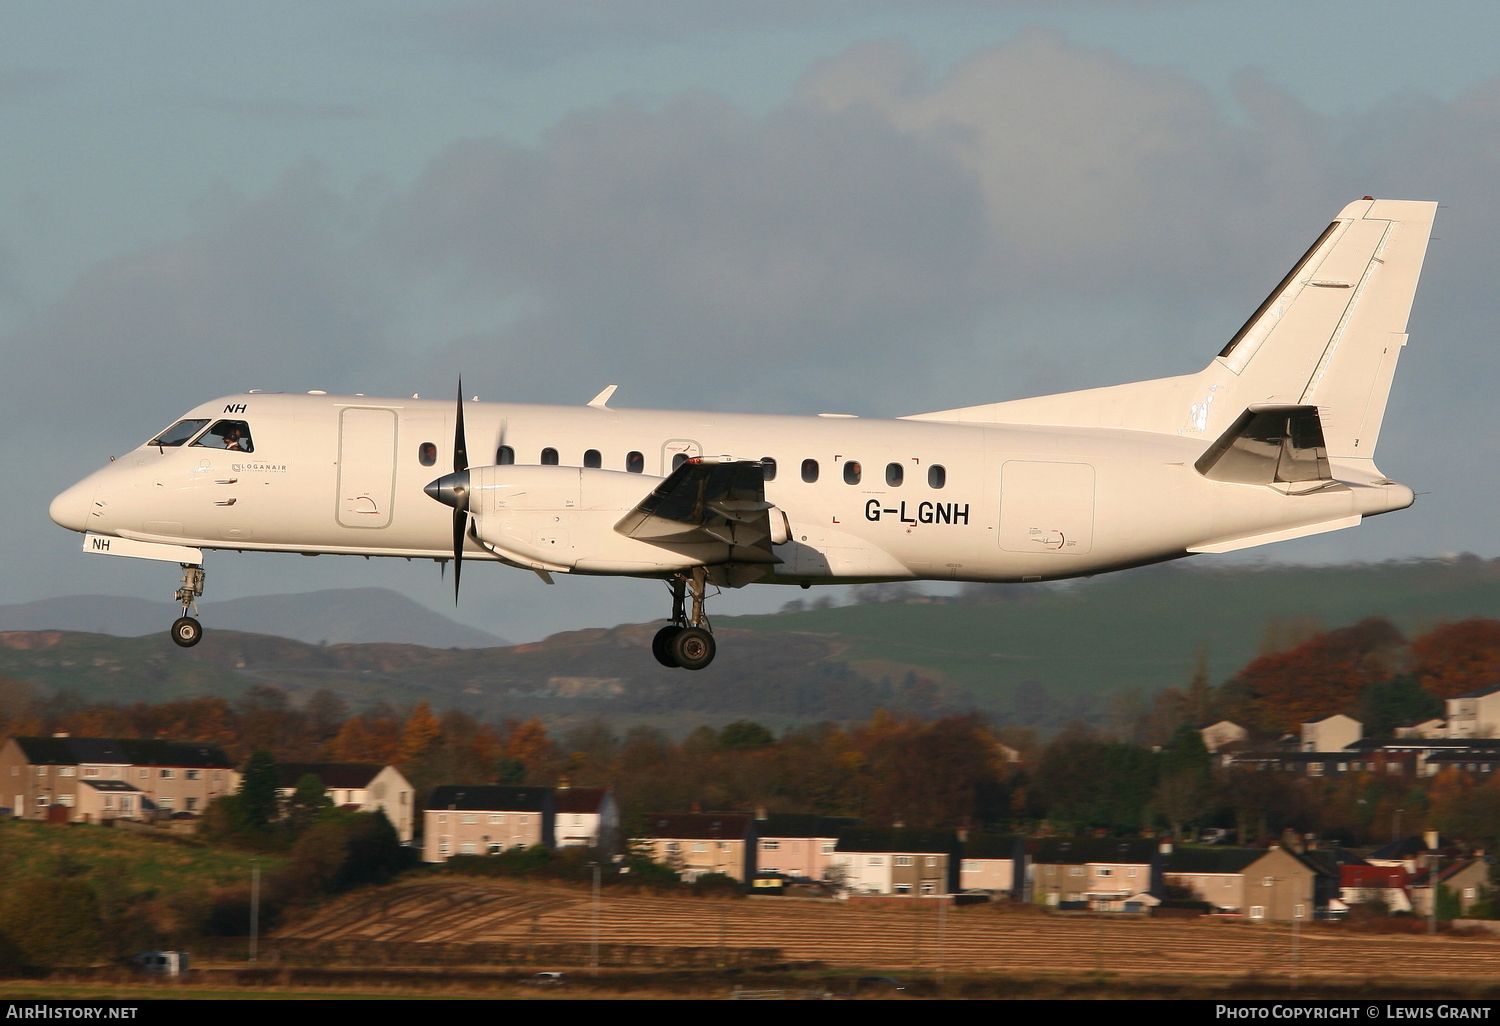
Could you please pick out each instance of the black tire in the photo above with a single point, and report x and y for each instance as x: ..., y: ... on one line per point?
x: 186, y: 631
x: 693, y: 648
x: 661, y: 645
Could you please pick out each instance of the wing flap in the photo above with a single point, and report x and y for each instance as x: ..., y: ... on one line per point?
x: 707, y: 501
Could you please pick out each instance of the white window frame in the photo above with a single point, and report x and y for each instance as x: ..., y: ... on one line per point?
x: 903, y: 860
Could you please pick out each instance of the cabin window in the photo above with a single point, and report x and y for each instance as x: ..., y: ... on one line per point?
x: 233, y: 435
x: 505, y: 456
x: 895, y: 473
x: 549, y: 457
x: 427, y: 454
x: 937, y: 476
x: 178, y: 433
x: 768, y: 468
x: 809, y: 471
x: 591, y: 458
x: 679, y: 460
x: 635, y: 462
x: 852, y: 471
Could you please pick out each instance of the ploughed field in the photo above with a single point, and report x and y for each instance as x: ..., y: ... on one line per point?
x: 975, y: 938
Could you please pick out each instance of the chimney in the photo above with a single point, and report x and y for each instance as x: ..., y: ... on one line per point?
x: 563, y: 783
x: 760, y: 812
x: 1165, y: 847
x: 963, y: 835
x: 697, y: 807
x: 1430, y: 838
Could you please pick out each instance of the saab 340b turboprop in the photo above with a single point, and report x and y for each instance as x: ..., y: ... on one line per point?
x: 1274, y: 439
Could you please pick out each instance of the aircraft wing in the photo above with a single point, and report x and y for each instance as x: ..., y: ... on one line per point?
x: 707, y: 502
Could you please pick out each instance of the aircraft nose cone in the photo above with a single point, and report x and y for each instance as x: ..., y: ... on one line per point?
x: 451, y: 489
x: 71, y: 508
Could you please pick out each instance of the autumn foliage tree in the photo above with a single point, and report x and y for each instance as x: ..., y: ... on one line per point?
x: 1457, y: 657
x: 1321, y: 676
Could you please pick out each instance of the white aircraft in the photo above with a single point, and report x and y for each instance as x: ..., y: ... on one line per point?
x: 1273, y: 440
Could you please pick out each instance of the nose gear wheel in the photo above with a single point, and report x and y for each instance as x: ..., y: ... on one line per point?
x: 187, y: 631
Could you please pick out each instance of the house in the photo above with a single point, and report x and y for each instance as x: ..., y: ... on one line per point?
x: 696, y: 843
x: 587, y: 817
x: 166, y: 777
x: 897, y: 861
x: 1475, y: 713
x: 1283, y: 885
x: 800, y: 846
x: 1468, y: 879
x: 1212, y: 874
x: 1426, y: 728
x: 361, y: 786
x: 1225, y: 732
x: 1107, y: 874
x: 992, y: 863
x: 1389, y: 885
x: 485, y: 819
x: 1331, y: 733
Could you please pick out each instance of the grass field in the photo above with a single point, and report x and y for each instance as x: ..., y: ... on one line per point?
x: 119, y: 858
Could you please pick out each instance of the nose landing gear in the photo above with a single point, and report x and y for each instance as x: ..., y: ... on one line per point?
x: 187, y: 631
x: 687, y: 641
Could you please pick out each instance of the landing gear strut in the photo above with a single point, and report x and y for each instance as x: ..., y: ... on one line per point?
x: 186, y: 631
x: 687, y: 641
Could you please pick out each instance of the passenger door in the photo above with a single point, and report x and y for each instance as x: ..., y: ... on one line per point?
x: 367, y: 467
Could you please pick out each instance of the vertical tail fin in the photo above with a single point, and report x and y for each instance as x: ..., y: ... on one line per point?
x: 1328, y: 337
x: 1330, y: 334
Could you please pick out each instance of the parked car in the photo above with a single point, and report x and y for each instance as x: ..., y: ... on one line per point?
x: 160, y: 963
x: 548, y: 980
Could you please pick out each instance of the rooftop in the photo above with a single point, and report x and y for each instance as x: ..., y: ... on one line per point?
x: 107, y: 751
x: 490, y: 798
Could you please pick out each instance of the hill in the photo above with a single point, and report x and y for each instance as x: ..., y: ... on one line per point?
x: 1141, y: 629
x: 345, y: 615
x: 1041, y: 652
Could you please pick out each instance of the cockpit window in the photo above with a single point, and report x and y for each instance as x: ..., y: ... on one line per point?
x: 178, y: 433
x: 233, y: 435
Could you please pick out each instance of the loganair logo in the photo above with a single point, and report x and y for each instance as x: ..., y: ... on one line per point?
x: 265, y: 468
x: 236, y: 407
x: 926, y: 512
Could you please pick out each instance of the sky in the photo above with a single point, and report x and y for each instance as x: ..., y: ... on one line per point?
x: 787, y: 206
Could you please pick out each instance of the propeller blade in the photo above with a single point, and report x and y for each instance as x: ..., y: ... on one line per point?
x: 460, y: 442
x: 460, y: 525
x: 460, y: 508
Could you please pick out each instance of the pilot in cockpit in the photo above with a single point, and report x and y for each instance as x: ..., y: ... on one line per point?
x: 233, y: 435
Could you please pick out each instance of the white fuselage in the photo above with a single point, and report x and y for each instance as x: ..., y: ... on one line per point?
x: 345, y: 474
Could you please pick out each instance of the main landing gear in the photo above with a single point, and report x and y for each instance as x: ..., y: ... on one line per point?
x: 186, y: 631
x: 686, y: 642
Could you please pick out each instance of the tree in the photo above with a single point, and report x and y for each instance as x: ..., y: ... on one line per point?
x: 1388, y: 704
x: 1319, y: 677
x: 51, y: 921
x: 743, y: 734
x: 1457, y: 657
x: 1182, y: 797
x: 1088, y: 781
x: 308, y: 803
x: 257, y: 803
x: 418, y: 734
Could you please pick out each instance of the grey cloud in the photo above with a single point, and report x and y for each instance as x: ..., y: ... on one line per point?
x: 1044, y: 216
x: 528, y: 33
x: 283, y: 111
x: 24, y: 83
